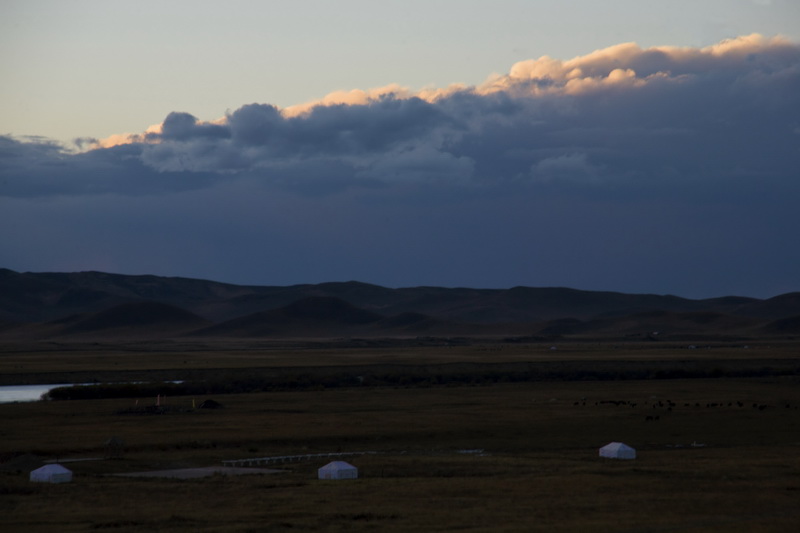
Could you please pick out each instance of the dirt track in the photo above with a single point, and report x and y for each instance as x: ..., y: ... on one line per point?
x: 191, y: 473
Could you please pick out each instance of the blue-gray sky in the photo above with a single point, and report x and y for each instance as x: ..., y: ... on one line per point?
x: 621, y: 145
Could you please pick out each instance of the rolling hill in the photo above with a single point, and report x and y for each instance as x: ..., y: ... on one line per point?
x: 87, y: 304
x: 314, y: 315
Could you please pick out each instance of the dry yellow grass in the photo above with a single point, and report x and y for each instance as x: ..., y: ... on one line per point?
x: 539, y: 470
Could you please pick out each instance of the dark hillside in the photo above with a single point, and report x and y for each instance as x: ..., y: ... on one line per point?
x: 777, y: 307
x: 39, y: 297
x: 657, y: 325
x: 313, y: 316
x: 783, y: 326
x: 136, y: 314
x: 352, y: 308
x: 326, y: 309
x: 136, y: 319
x: 565, y: 302
x: 420, y: 325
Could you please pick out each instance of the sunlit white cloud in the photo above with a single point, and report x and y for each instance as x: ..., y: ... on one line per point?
x: 627, y: 64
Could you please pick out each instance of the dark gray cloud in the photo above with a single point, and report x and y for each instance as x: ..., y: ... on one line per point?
x: 620, y: 116
x: 661, y: 170
x: 44, y: 169
x: 185, y: 127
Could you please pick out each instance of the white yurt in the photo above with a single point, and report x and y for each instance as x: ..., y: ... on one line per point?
x: 52, y: 474
x: 617, y: 450
x: 337, y: 470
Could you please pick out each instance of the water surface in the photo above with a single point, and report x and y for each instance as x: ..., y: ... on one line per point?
x: 26, y: 393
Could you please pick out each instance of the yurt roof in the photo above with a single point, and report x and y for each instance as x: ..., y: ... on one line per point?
x: 336, y: 465
x: 53, y: 469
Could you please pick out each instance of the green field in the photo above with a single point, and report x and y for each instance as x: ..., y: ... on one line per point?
x: 455, y: 453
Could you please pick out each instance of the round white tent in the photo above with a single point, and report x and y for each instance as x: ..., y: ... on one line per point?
x: 617, y: 450
x: 52, y: 474
x: 338, y: 470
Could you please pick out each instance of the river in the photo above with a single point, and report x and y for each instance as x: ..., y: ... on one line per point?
x: 26, y: 393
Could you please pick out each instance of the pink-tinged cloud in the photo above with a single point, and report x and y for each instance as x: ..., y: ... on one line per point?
x: 628, y: 64
x: 621, y: 65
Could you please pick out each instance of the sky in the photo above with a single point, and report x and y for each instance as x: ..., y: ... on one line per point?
x: 626, y: 145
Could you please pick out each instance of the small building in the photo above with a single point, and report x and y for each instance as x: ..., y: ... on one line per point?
x: 617, y: 450
x: 338, y: 470
x: 51, y: 474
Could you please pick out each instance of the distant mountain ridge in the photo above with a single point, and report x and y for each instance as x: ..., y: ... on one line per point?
x: 95, y: 303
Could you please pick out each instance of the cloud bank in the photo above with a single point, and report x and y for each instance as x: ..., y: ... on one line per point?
x: 685, y: 131
x: 618, y: 115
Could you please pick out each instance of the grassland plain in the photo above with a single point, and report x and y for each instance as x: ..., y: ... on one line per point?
x: 715, y: 454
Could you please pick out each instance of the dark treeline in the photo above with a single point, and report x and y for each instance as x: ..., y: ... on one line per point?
x: 436, y: 376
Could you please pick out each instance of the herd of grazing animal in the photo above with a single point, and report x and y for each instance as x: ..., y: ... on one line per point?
x: 668, y: 405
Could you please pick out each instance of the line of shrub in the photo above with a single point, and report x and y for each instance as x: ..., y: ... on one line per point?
x: 418, y: 376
